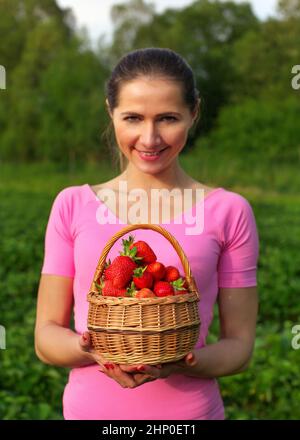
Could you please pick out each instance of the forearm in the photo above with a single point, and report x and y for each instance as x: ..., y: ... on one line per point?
x: 56, y: 345
x: 224, y: 358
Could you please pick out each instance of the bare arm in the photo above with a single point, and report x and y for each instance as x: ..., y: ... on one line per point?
x: 238, y: 309
x: 55, y: 343
x: 232, y: 353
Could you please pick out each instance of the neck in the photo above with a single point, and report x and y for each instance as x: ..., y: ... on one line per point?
x: 172, y: 177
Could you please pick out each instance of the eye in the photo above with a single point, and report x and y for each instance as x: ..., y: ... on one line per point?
x: 131, y: 118
x: 169, y: 118
x: 136, y: 118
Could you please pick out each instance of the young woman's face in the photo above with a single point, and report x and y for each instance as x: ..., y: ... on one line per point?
x: 151, y: 123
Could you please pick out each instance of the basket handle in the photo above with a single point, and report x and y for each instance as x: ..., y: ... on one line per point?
x: 184, y: 261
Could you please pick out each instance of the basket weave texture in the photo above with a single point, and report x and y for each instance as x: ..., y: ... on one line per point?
x: 129, y: 330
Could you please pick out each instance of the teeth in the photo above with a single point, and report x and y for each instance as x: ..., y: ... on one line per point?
x: 151, y: 154
x: 145, y: 153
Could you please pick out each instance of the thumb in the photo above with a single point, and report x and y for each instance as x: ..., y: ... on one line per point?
x: 190, y: 359
x: 85, y: 341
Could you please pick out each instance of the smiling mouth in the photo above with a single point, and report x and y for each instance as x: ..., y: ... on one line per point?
x: 151, y: 153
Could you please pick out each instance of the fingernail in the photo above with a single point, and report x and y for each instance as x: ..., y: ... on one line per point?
x: 109, y: 366
x: 141, y: 368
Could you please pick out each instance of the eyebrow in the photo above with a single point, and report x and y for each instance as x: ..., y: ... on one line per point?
x: 160, y: 114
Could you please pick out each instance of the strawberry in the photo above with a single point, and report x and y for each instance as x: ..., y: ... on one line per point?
x: 108, y: 289
x: 145, y: 293
x: 143, y: 250
x: 172, y: 274
x: 163, y: 288
x: 120, y: 271
x: 157, y: 270
x: 141, y: 278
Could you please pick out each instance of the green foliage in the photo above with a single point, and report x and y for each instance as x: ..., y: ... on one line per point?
x: 269, y: 389
x: 259, y: 128
x: 51, y: 109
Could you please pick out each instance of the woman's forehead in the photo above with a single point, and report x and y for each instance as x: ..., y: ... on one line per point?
x: 153, y: 91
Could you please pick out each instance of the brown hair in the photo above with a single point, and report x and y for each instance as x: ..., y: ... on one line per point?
x: 148, y: 62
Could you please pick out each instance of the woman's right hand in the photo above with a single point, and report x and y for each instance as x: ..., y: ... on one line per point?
x: 125, y: 379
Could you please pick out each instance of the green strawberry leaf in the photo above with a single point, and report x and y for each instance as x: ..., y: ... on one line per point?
x: 178, y: 284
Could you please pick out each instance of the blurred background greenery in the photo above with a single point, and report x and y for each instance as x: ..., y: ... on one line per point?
x: 52, y: 120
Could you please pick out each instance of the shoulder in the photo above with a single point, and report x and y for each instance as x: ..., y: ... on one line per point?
x: 71, y: 199
x: 230, y: 202
x: 232, y: 212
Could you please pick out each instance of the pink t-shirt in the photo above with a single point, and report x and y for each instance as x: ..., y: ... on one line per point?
x: 224, y: 254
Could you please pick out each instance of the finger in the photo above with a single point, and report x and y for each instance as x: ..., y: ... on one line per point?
x: 190, y: 359
x: 123, y: 378
x: 149, y: 370
x: 140, y: 379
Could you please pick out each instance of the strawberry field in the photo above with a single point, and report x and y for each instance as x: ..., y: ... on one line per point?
x: 269, y: 389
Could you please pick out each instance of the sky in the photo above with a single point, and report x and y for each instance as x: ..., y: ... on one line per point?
x: 95, y: 14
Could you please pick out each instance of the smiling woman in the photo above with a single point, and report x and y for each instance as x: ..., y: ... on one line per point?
x: 153, y: 102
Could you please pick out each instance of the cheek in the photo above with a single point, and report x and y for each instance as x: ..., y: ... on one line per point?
x: 177, y: 136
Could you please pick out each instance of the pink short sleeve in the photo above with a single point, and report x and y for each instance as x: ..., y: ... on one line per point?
x: 59, y: 249
x: 238, y: 260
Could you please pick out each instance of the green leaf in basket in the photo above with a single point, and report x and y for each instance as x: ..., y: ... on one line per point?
x: 98, y: 287
x: 178, y: 284
x: 131, y: 289
x: 130, y: 252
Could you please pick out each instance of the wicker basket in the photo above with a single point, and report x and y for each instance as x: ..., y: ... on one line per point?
x: 148, y: 330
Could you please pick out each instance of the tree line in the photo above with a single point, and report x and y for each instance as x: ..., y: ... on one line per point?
x: 53, y: 105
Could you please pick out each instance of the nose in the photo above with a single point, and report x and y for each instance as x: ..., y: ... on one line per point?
x: 150, y: 136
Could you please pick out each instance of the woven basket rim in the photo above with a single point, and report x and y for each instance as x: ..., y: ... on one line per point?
x: 97, y: 298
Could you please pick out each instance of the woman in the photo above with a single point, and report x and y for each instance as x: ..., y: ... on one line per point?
x: 153, y: 103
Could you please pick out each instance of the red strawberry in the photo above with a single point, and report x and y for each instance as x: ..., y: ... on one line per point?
x: 157, y: 270
x: 141, y: 278
x: 145, y: 293
x: 108, y: 289
x: 120, y: 271
x: 163, y: 288
x: 143, y: 250
x: 172, y: 274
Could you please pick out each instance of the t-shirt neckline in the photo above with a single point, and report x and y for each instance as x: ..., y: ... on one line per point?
x: 172, y: 221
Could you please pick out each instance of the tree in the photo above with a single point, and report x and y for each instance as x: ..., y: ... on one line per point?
x: 204, y: 33
x: 127, y: 19
x: 289, y: 8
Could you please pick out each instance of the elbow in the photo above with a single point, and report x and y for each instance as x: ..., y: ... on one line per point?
x: 41, y: 357
x: 39, y: 354
x: 245, y: 366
